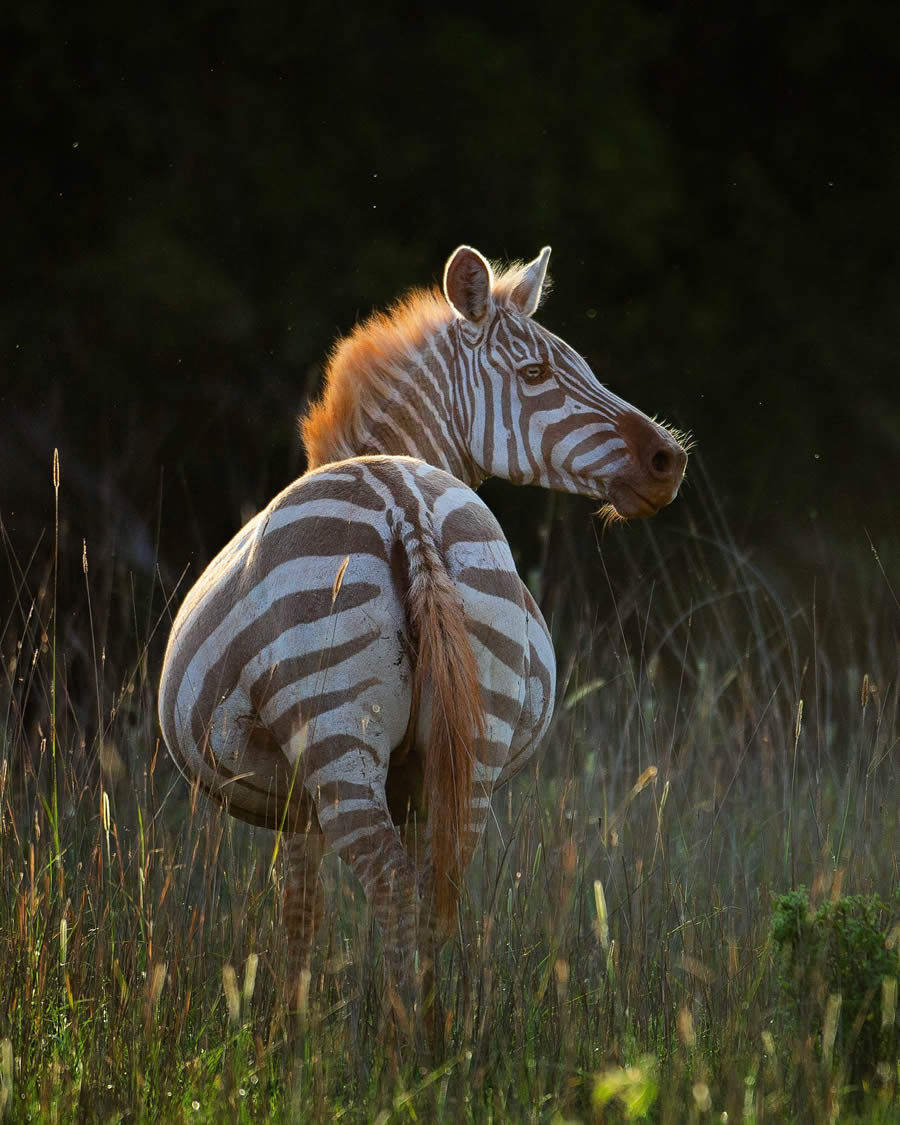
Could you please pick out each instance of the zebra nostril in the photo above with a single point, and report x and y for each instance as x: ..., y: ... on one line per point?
x: 661, y: 463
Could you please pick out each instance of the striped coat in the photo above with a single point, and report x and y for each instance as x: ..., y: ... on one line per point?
x: 361, y: 665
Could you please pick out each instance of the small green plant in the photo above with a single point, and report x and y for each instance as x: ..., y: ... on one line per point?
x: 838, y: 971
x: 635, y: 1087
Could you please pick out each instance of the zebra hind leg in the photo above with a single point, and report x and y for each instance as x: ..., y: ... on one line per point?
x: 359, y: 828
x: 304, y: 908
x: 413, y: 833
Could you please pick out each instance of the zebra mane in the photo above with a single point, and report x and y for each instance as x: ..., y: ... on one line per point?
x: 364, y: 365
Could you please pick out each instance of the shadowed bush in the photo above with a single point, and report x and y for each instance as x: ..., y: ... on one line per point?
x: 838, y: 971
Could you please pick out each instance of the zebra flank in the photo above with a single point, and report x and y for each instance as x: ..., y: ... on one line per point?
x: 361, y: 665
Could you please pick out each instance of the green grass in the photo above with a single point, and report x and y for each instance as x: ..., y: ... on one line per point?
x: 717, y: 744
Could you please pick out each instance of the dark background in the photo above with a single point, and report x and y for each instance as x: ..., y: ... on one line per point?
x: 199, y: 202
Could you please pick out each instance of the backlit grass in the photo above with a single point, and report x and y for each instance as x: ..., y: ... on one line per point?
x: 717, y: 743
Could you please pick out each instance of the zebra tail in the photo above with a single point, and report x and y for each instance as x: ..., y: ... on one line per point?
x: 445, y: 662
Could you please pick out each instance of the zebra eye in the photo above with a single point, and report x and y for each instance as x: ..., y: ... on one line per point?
x: 533, y: 371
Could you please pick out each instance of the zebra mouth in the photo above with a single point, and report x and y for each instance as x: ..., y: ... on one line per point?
x: 648, y: 507
x: 630, y: 504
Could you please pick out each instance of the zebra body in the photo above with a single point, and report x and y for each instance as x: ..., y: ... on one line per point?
x: 297, y: 637
x: 362, y: 665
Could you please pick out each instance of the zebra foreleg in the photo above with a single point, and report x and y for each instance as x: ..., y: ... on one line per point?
x: 304, y: 908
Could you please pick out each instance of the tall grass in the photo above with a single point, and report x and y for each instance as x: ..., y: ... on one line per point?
x: 717, y: 742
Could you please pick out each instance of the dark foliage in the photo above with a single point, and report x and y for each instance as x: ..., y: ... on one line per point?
x: 201, y: 201
x: 840, y: 953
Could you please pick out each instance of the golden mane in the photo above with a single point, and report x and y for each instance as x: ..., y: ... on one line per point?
x: 363, y: 364
x: 359, y: 365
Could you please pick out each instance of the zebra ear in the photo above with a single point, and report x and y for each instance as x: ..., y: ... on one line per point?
x: 527, y: 294
x: 467, y: 284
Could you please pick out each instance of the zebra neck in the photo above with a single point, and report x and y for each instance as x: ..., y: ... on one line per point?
x: 408, y: 406
x: 407, y: 423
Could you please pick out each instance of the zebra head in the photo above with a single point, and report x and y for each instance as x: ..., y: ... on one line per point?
x: 532, y: 410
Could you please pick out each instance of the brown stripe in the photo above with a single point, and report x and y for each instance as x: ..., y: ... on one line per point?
x: 442, y: 346
x: 274, y: 548
x: 590, y: 442
x: 301, y: 608
x: 354, y: 819
x: 488, y: 421
x: 405, y: 484
x: 556, y: 431
x: 405, y: 425
x: 471, y: 523
x: 295, y: 668
x: 334, y: 792
x: 317, y: 706
x: 329, y: 486
x: 499, y: 583
x: 195, y: 629
x: 311, y: 535
x: 430, y: 408
x: 540, y: 672
x: 498, y: 644
x: 493, y: 753
x: 333, y: 746
x: 501, y: 706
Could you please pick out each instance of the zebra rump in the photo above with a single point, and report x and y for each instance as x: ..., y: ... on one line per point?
x: 359, y: 649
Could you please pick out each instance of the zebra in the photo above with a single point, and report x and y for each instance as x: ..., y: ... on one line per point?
x: 361, y: 666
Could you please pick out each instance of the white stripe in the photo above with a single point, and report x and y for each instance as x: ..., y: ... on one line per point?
x: 352, y: 766
x: 351, y: 838
x: 338, y: 808
x: 293, y: 577
x: 597, y: 455
x: 289, y: 513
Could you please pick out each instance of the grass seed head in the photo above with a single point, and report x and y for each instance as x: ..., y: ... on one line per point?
x: 232, y: 998
x: 250, y: 977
